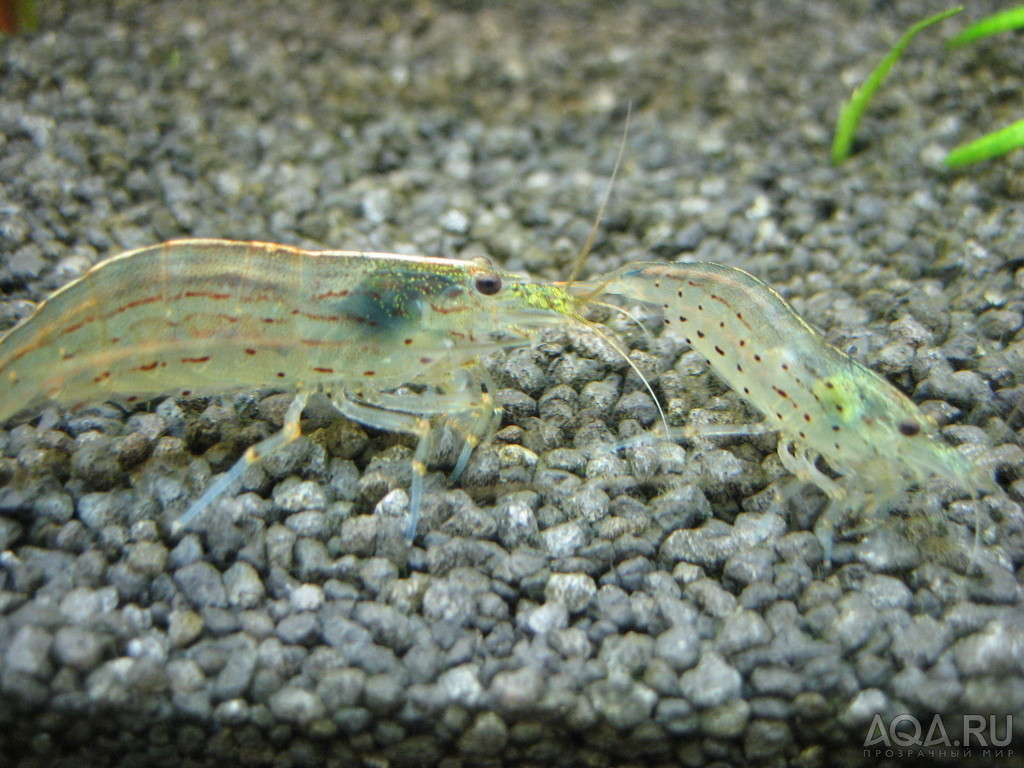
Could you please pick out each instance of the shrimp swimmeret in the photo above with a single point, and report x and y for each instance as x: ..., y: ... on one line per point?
x: 820, y: 401
x: 209, y: 316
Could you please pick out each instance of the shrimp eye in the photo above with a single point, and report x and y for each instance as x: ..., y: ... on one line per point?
x: 909, y: 428
x: 488, y: 285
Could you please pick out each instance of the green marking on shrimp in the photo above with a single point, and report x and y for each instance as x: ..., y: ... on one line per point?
x: 838, y: 395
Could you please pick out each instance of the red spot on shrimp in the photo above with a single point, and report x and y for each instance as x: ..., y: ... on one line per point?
x: 195, y: 359
x: 280, y: 374
x: 369, y: 373
x: 149, y: 366
x: 101, y: 377
x: 311, y: 316
x: 76, y: 326
x: 719, y: 350
x: 228, y: 318
x: 138, y: 303
x: 330, y: 295
x: 408, y: 341
x: 757, y: 358
x: 250, y: 351
x: 206, y: 295
x: 682, y: 319
x: 426, y: 360
x: 700, y: 334
x: 323, y: 370
x: 319, y: 343
x: 272, y: 320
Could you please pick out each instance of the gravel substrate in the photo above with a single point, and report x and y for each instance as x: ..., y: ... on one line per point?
x: 569, y: 601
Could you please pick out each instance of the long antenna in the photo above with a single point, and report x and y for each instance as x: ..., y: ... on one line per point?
x: 589, y: 298
x: 582, y: 258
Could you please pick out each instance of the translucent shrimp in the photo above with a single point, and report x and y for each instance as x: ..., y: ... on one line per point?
x: 820, y: 401
x: 209, y: 316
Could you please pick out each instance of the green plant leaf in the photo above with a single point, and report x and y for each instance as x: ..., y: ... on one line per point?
x: 988, y: 146
x: 990, y: 25
x: 850, y: 114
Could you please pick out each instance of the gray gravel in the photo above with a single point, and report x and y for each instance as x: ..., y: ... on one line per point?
x: 566, y: 602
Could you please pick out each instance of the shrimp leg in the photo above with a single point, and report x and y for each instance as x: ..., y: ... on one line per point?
x: 394, y: 420
x: 289, y: 432
x: 408, y: 413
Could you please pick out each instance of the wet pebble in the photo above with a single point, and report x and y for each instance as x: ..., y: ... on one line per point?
x: 78, y: 647
x: 486, y: 737
x: 574, y: 590
x: 201, y: 584
x: 296, y: 706
x: 243, y: 586
x: 29, y: 651
x: 563, y: 540
x: 711, y: 683
x: 679, y: 646
x: 296, y: 495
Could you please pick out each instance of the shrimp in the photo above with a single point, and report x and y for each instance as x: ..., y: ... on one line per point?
x: 212, y: 316
x: 820, y: 401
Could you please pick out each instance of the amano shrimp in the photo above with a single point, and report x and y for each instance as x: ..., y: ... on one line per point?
x: 820, y: 401
x: 213, y: 316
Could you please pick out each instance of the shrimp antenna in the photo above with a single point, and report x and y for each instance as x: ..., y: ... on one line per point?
x: 650, y: 340
x: 588, y: 298
x: 582, y: 258
x: 625, y: 356
x: 625, y: 313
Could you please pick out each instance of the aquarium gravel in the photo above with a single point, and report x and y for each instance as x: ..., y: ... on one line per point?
x: 578, y: 597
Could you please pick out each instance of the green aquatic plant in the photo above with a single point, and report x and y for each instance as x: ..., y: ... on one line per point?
x: 1005, y: 139
x: 850, y: 114
x: 1003, y: 21
x: 988, y: 146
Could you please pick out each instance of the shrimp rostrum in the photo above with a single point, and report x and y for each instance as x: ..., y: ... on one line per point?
x: 822, y: 403
x: 213, y: 316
